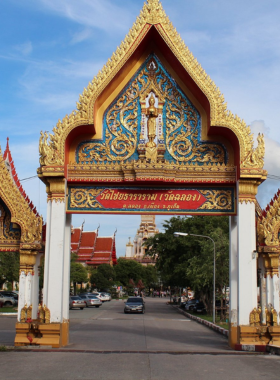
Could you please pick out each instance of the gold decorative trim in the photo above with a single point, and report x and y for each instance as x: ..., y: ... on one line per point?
x: 271, y: 264
x: 143, y: 170
x: 21, y: 213
x: 247, y: 191
x: 268, y: 226
x: 51, y: 146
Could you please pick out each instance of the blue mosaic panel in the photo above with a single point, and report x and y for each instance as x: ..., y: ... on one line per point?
x: 181, y: 123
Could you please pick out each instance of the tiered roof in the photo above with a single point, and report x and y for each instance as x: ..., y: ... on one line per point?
x: 92, y: 249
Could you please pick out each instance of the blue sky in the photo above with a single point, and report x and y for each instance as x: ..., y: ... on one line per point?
x: 51, y: 49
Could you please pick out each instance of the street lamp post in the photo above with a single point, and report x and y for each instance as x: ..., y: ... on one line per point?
x: 177, y: 234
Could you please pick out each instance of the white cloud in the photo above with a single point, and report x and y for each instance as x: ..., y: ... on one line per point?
x: 81, y: 36
x: 92, y: 13
x: 25, y: 48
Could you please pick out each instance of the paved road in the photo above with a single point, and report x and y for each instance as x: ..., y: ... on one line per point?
x: 159, y: 345
x: 161, y: 328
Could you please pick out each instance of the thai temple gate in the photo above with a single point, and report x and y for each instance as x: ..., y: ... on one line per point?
x: 152, y: 135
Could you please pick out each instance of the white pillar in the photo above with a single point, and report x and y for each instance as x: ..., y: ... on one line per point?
x: 47, y: 252
x: 276, y: 295
x: 66, y: 271
x: 247, y: 257
x: 35, y: 287
x: 233, y: 271
x: 21, y: 293
x: 53, y: 281
x: 28, y: 289
x: 269, y: 290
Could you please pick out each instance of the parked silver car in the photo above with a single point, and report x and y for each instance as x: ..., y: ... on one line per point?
x: 8, y: 301
x: 76, y: 302
x: 91, y: 300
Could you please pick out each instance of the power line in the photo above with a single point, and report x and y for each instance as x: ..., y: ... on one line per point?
x: 25, y: 179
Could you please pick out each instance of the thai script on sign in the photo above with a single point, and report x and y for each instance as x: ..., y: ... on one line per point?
x: 117, y: 195
x: 150, y: 199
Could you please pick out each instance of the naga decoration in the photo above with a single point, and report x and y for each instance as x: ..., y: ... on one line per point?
x: 268, y: 225
x: 152, y: 105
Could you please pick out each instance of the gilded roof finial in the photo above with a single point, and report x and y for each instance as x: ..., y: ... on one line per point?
x: 155, y: 13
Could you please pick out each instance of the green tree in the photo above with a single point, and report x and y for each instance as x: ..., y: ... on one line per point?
x: 78, y: 273
x: 151, y: 276
x: 103, y: 277
x: 188, y: 261
x: 9, y: 267
x: 128, y: 269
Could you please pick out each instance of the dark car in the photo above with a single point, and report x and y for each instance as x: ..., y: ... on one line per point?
x: 199, y: 308
x: 134, y: 305
x: 191, y: 304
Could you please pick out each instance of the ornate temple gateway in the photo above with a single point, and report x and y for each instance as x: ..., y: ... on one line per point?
x: 20, y: 231
x: 152, y: 134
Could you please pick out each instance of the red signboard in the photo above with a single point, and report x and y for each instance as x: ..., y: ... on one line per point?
x: 151, y: 199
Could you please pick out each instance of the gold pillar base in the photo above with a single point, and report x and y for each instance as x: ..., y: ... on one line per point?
x: 42, y: 334
x: 253, y: 335
x: 274, y: 332
x: 233, y: 336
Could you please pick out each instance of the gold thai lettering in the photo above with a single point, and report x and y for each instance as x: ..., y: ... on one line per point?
x: 183, y: 197
x: 154, y: 197
x: 177, y: 197
x: 120, y: 198
x: 125, y: 197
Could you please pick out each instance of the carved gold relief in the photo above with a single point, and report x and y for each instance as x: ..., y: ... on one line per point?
x: 47, y: 314
x: 29, y: 312
x: 51, y: 147
x: 84, y: 198
x: 160, y: 99
x: 255, y: 317
x: 23, y: 313
x: 217, y: 199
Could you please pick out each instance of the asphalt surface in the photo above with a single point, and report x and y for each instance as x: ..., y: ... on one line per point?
x: 108, y: 344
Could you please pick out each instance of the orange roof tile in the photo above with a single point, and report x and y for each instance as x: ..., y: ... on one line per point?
x: 104, y: 244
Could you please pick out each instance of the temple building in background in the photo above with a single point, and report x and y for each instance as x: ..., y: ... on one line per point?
x: 92, y: 249
x: 136, y: 250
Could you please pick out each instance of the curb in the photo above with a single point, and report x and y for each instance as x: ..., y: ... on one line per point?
x: 211, y: 325
x: 273, y: 350
x: 252, y: 347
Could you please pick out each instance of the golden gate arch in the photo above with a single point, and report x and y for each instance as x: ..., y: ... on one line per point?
x: 152, y: 134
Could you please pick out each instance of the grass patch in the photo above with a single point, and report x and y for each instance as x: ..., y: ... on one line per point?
x: 209, y: 318
x: 8, y: 309
x: 3, y: 348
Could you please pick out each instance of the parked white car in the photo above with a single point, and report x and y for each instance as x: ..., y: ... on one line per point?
x: 107, y: 296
